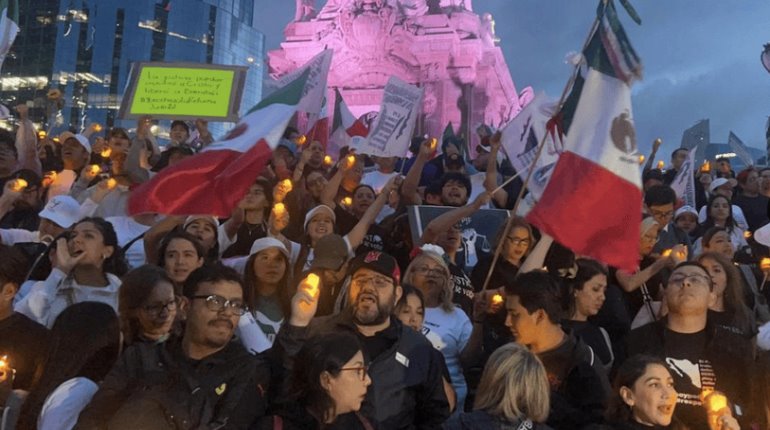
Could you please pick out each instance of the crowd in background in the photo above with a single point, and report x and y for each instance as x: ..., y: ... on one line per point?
x: 315, y: 306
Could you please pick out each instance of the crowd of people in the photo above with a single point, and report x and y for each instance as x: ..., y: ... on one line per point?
x: 314, y: 306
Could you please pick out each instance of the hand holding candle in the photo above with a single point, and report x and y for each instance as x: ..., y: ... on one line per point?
x: 312, y: 282
x: 111, y: 183
x: 350, y: 161
x: 347, y: 202
x: 6, y: 373
x: 106, y: 152
x: 18, y: 185
x: 764, y: 264
x: 300, y: 140
x: 94, y: 169
x: 328, y: 160
x: 706, y: 167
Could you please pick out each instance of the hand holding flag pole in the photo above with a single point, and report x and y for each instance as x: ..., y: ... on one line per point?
x: 540, y: 147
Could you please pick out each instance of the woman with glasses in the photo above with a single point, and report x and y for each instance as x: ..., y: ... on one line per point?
x: 328, y: 384
x: 147, y: 305
x: 513, y: 394
x: 644, y: 286
x: 446, y: 326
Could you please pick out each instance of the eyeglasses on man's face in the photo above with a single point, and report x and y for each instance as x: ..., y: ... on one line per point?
x: 695, y: 279
x: 377, y: 281
x: 217, y: 303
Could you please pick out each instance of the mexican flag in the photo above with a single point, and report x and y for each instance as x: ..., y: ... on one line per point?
x: 213, y: 181
x: 344, y: 126
x: 593, y: 202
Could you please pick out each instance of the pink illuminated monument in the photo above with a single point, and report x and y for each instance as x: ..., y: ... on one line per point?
x: 439, y: 45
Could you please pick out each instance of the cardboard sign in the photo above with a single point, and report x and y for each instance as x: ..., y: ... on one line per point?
x: 392, y: 132
x: 478, y: 231
x: 183, y: 91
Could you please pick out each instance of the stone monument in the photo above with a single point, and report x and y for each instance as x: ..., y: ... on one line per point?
x: 439, y: 45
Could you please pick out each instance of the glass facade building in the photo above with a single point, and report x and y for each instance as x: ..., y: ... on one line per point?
x: 86, y: 48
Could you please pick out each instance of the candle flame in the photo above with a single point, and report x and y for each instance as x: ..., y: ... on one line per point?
x: 279, y: 209
x: 301, y: 139
x: 433, y: 143
x: 714, y: 401
x: 347, y: 201
x: 19, y: 184
x: 106, y: 152
x: 351, y: 160
x: 286, y: 185
x: 641, y: 159
x: 666, y: 252
x: 764, y: 264
x: 706, y: 167
x: 94, y: 169
x: 97, y: 127
x: 497, y: 299
x: 661, y: 165
x: 312, y: 281
x: 328, y: 160
x: 746, y: 234
x: 42, y: 134
x: 111, y: 183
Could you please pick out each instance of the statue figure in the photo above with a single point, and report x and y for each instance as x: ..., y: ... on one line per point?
x: 456, y: 5
x: 305, y: 10
x: 487, y: 30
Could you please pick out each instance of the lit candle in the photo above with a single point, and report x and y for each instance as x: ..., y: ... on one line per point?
x: 666, y: 252
x: 351, y: 160
x: 106, y: 152
x: 312, y: 281
x: 286, y: 185
x: 42, y: 134
x: 347, y: 201
x: 94, y: 169
x: 497, y: 299
x: 279, y: 209
x: 18, y: 185
x: 49, y: 178
x: 661, y: 165
x: 111, y: 183
x: 641, y: 159
x: 301, y: 139
x: 714, y: 401
x: 433, y: 143
x: 328, y: 160
x: 5, y: 368
x: 746, y: 234
x: 764, y: 264
x: 56, y: 139
x: 97, y: 127
x: 706, y: 167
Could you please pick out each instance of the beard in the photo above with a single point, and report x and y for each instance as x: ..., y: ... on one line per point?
x: 369, y: 310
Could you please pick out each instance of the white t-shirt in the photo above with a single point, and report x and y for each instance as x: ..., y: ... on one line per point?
x: 9, y: 236
x: 449, y: 332
x: 63, y: 406
x: 61, y: 185
x: 738, y: 216
x: 127, y: 229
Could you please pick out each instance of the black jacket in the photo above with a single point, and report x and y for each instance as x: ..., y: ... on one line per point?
x: 579, y: 385
x: 406, y: 391
x: 480, y: 420
x: 222, y: 391
x: 730, y: 354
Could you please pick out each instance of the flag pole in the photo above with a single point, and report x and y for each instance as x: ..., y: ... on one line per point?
x: 540, y: 146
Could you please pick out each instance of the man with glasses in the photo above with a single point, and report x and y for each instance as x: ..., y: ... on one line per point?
x: 659, y: 202
x: 201, y: 380
x: 700, y: 355
x: 407, y: 390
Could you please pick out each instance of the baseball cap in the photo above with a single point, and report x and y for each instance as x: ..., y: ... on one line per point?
x: 718, y: 182
x: 268, y: 242
x: 331, y: 252
x: 379, y: 262
x: 62, y: 210
x: 82, y: 140
x: 312, y: 212
x: 686, y: 209
x: 210, y: 218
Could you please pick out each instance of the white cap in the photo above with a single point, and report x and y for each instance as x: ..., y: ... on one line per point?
x: 268, y: 242
x: 312, y: 212
x: 762, y: 235
x: 718, y: 182
x: 210, y: 218
x: 82, y: 140
x: 686, y: 209
x: 62, y: 210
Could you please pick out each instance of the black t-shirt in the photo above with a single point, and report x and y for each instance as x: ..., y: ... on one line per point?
x: 692, y: 373
x: 754, y: 209
x: 25, y: 342
x: 247, y: 234
x: 592, y: 336
x: 374, y: 346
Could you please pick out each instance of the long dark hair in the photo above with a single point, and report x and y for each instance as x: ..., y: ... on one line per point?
x: 84, y: 341
x: 735, y: 303
x: 730, y: 223
x: 115, y: 263
x: 326, y: 353
x: 631, y: 370
x: 251, y: 284
x: 136, y: 286
x: 586, y: 269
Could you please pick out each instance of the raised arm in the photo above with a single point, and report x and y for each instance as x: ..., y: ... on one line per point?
x: 333, y: 186
x: 448, y: 219
x: 26, y: 142
x: 490, y: 179
x: 536, y: 258
x: 357, y: 234
x: 154, y: 235
x: 412, y: 180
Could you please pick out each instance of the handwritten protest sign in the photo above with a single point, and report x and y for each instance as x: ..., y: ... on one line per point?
x: 184, y: 91
x: 392, y: 132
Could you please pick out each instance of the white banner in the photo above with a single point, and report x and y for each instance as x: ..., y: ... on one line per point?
x: 684, y: 181
x: 315, y: 88
x: 521, y: 137
x: 392, y: 132
x: 8, y: 32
